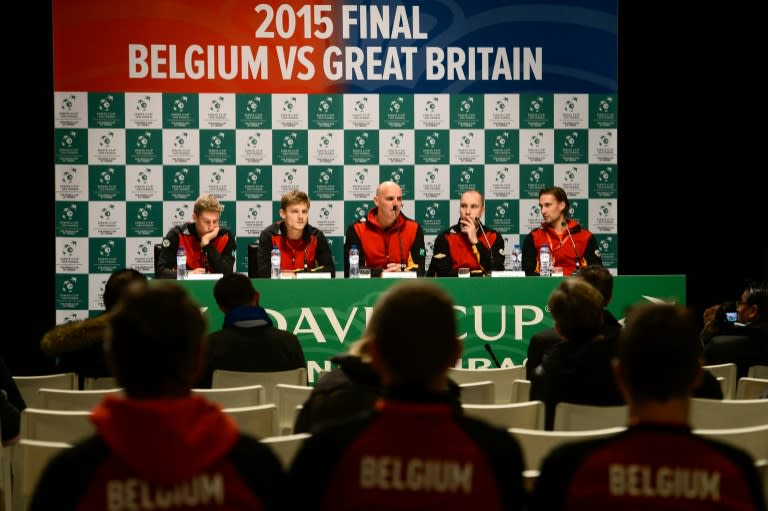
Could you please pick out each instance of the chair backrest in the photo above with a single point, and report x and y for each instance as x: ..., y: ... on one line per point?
x: 502, y: 379
x: 100, y: 383
x: 56, y: 425
x: 30, y: 459
x: 537, y: 444
x: 509, y: 415
x: 259, y: 421
x: 287, y: 398
x: 758, y: 371
x: 521, y: 391
x: 724, y: 414
x: 62, y: 399
x: 234, y: 397
x: 574, y: 417
x: 285, y: 447
x: 751, y: 388
x: 5, y: 475
x: 224, y: 378
x: 727, y: 371
x: 28, y: 385
x: 476, y: 393
x: 753, y: 439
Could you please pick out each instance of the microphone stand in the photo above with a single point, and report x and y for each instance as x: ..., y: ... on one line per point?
x: 399, y: 238
x: 490, y: 248
x: 575, y: 251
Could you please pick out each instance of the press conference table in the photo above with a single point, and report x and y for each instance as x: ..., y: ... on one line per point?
x: 328, y: 314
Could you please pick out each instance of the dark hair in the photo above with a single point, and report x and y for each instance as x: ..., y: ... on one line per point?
x: 117, y: 283
x: 413, y: 327
x: 154, y: 340
x: 757, y: 294
x: 234, y: 290
x: 577, y: 308
x: 659, y: 351
x: 559, y: 195
x: 601, y: 278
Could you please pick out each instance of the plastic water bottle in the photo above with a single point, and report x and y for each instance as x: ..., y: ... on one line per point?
x: 275, y: 260
x: 181, y: 264
x: 354, y: 262
x: 516, y: 263
x: 544, y: 260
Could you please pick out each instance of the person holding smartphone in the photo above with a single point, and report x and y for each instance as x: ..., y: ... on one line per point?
x: 738, y: 332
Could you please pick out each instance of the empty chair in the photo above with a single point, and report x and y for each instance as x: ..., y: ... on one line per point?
x: 56, y: 425
x: 30, y: 459
x: 758, y: 371
x: 63, y: 399
x: 234, y: 397
x: 509, y: 415
x: 521, y: 391
x: 28, y: 385
x: 753, y: 439
x: 285, y: 447
x: 476, y: 393
x: 287, y: 398
x: 502, y: 379
x: 537, y: 444
x: 575, y: 417
x: 736, y: 413
x: 224, y: 378
x: 100, y: 383
x: 751, y: 388
x: 727, y: 371
x: 259, y: 421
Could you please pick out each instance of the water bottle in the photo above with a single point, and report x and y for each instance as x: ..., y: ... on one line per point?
x: 354, y: 262
x: 517, y: 264
x: 544, y: 260
x: 181, y: 264
x: 275, y: 260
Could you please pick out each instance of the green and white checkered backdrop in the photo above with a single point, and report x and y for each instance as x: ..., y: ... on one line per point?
x: 129, y: 166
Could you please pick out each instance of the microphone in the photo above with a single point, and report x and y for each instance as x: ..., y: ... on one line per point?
x: 396, y: 211
x: 493, y: 355
x: 490, y: 248
x: 573, y: 244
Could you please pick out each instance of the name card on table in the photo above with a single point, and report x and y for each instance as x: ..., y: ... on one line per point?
x: 507, y: 273
x: 204, y: 276
x: 398, y: 275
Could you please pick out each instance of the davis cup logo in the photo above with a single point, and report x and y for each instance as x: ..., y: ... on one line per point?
x: 431, y: 105
x: 180, y: 213
x: 289, y: 175
x: 253, y: 176
x: 68, y: 286
x: 69, y: 175
x: 68, y: 139
x: 106, y: 140
x: 573, y: 210
x: 289, y: 140
x: 361, y: 175
x: 253, y: 140
x: 180, y: 140
x: 143, y: 212
x: 105, y: 250
x: 361, y: 212
x: 396, y: 104
x: 106, y: 212
x: 431, y: 141
x: 360, y: 140
x: 570, y: 104
x: 325, y: 176
x: 143, y: 176
x: 143, y: 248
x: 536, y: 139
x: 604, y: 106
x: 396, y: 140
x: 501, y: 210
x: 105, y: 177
x: 289, y: 104
x: 431, y: 175
x: 68, y: 102
x: 69, y: 318
x: 466, y: 105
x: 217, y: 140
x: 570, y: 140
x: 253, y: 213
x: 179, y: 104
x: 69, y: 248
x: 501, y: 140
x: 570, y: 174
x: 431, y: 212
x: 536, y: 105
x: 535, y: 175
x: 69, y: 212
x: 466, y: 140
x: 252, y: 104
x: 466, y: 175
x: 216, y: 176
x: 605, y: 209
x: 396, y: 175
x: 604, y: 175
x: 105, y: 103
x: 143, y: 103
x: 605, y: 139
x: 325, y: 105
x: 360, y: 104
x: 180, y: 176
x: 501, y: 175
x: 216, y: 104
x: 501, y: 104
x: 535, y: 212
x: 325, y: 212
x: 143, y: 140
x: 606, y: 244
x: 325, y: 140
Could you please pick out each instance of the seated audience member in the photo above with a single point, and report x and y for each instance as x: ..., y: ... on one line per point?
x: 657, y: 463
x: 577, y: 370
x: 209, y: 247
x: 744, y: 341
x: 247, y: 340
x: 544, y: 340
x: 388, y: 241
x: 78, y: 345
x: 468, y: 244
x: 302, y: 246
x: 11, y: 405
x: 161, y: 447
x: 415, y: 450
x: 349, y: 389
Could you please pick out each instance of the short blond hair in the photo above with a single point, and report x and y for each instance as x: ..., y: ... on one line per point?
x: 208, y: 203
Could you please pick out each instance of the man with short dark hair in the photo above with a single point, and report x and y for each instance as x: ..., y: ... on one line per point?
x: 160, y: 447
x: 248, y: 341
x: 657, y: 463
x: 415, y: 450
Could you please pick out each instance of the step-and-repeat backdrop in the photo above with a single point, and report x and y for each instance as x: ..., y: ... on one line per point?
x: 158, y: 102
